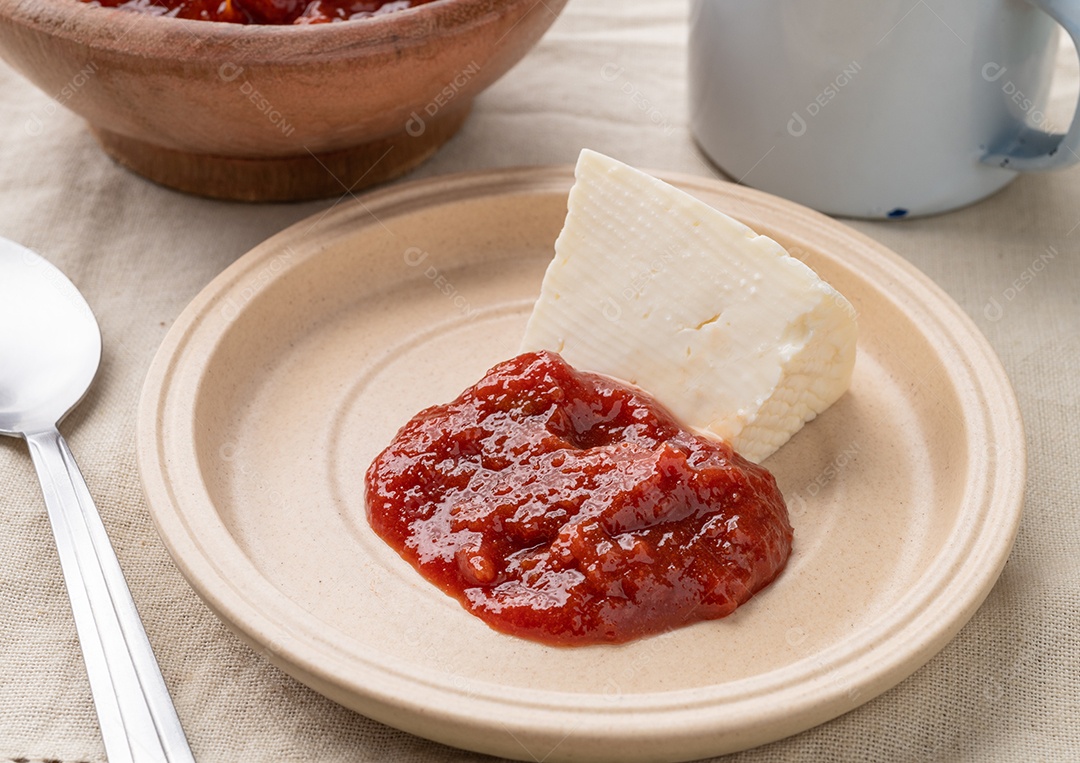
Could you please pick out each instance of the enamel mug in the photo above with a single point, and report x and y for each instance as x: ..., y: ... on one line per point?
x: 881, y: 109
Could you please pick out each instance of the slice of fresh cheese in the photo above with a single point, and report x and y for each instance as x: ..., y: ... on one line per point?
x: 741, y: 341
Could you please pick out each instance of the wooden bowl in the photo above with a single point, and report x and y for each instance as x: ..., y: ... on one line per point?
x: 270, y: 113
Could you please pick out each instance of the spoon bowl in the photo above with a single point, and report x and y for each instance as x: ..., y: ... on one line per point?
x: 50, y: 347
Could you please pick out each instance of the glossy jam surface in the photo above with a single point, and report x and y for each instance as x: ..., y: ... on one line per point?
x: 568, y: 508
x: 263, y: 11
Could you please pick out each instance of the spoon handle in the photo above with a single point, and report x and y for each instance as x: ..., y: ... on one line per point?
x: 137, y: 718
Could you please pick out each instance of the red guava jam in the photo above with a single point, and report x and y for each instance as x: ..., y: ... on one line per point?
x: 570, y: 508
x: 263, y: 11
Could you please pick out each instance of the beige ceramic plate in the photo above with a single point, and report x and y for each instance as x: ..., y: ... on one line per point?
x: 289, y: 372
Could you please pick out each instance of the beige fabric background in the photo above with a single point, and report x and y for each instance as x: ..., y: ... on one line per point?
x: 1007, y: 688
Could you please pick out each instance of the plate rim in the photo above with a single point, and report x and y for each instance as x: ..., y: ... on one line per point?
x: 376, y: 693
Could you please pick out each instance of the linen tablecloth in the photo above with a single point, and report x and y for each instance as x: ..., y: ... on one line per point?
x: 1008, y: 686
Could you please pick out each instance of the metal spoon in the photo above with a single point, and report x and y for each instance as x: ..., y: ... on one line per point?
x: 50, y: 347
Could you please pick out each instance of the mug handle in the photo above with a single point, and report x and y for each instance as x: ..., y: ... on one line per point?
x: 1034, y: 149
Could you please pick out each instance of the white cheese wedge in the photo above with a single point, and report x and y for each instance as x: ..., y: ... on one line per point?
x: 741, y: 341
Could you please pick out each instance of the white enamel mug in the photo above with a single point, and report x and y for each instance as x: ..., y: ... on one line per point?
x: 881, y: 109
